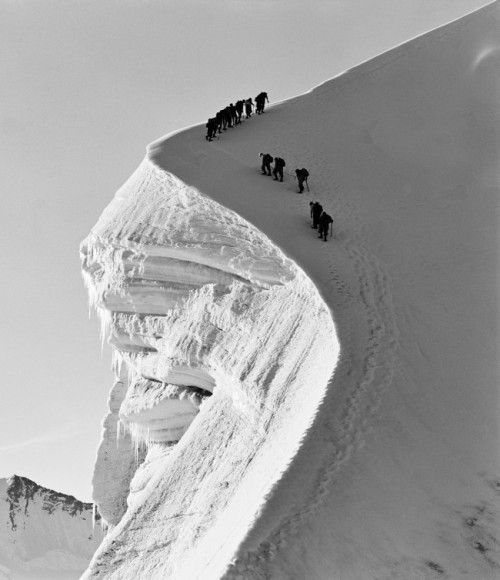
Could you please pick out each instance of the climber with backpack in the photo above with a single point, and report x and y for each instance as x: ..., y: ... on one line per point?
x: 239, y: 110
x: 211, y: 129
x: 248, y: 107
x: 266, y: 163
x: 260, y: 102
x: 279, y: 163
x: 324, y: 224
x: 316, y: 211
x: 302, y: 175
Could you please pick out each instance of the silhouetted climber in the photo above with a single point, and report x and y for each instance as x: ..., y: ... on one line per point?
x: 239, y: 110
x: 231, y: 116
x: 266, y: 163
x: 260, y: 102
x: 228, y: 116
x: 223, y: 119
x: 324, y: 223
x: 248, y: 108
x: 279, y: 163
x: 219, y: 121
x: 302, y: 175
x: 211, y: 128
x: 316, y: 210
x: 234, y: 114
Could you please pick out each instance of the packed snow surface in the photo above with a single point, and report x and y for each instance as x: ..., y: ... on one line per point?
x: 287, y: 408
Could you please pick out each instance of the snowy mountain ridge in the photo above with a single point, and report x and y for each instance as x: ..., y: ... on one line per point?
x: 44, y: 534
x: 287, y: 408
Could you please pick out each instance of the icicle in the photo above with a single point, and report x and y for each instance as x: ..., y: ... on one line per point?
x: 118, y: 433
x: 106, y: 319
x: 116, y: 363
x: 131, y: 374
x: 94, y: 514
x: 141, y: 438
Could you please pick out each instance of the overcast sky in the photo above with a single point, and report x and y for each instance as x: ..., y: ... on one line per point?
x: 86, y: 85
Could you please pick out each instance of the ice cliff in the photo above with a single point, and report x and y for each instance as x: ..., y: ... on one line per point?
x: 214, y: 329
x: 45, y: 535
x: 285, y: 408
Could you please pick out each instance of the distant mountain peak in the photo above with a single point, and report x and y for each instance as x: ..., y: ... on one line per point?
x: 43, y: 530
x: 21, y: 491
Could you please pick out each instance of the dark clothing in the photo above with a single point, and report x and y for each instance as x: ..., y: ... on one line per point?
x: 228, y: 117
x: 233, y: 114
x: 248, y: 108
x: 239, y: 110
x: 279, y: 163
x: 266, y: 163
x: 302, y: 175
x: 223, y: 119
x: 219, y: 121
x: 260, y: 101
x: 211, y: 128
x: 316, y: 210
x: 324, y: 225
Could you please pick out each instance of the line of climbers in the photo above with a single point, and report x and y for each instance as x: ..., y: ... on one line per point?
x: 279, y: 164
x: 231, y: 115
x: 321, y: 220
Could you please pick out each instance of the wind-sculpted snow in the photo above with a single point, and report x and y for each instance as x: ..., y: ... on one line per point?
x: 249, y: 436
x: 224, y: 349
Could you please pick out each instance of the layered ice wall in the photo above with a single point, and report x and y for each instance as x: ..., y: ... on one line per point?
x: 223, y: 351
x: 240, y: 443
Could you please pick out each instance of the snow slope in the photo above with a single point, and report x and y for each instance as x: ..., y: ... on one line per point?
x: 367, y: 448
x: 44, y: 535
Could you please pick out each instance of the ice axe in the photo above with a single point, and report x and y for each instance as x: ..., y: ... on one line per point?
x: 307, y: 185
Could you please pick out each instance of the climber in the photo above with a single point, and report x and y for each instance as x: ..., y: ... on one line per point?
x: 279, y: 163
x: 239, y: 110
x: 211, y: 128
x: 324, y: 223
x: 260, y: 101
x: 248, y: 108
x: 233, y: 114
x: 316, y: 210
x: 302, y: 175
x: 266, y: 163
x: 228, y: 117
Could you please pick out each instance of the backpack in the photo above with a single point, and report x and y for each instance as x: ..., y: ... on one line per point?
x: 305, y: 173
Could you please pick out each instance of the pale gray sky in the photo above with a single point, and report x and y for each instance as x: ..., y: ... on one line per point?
x: 86, y: 84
